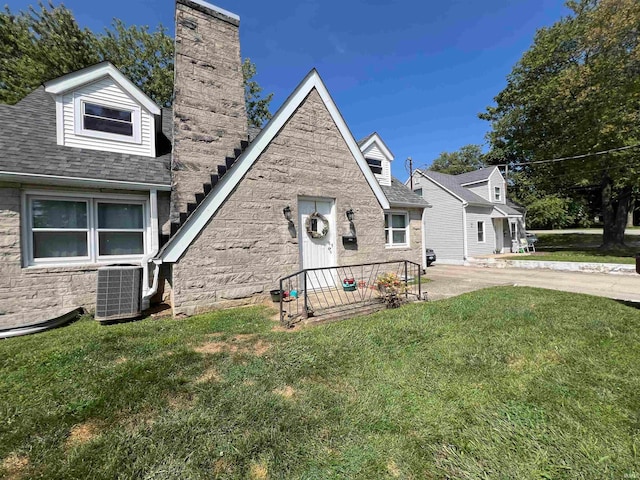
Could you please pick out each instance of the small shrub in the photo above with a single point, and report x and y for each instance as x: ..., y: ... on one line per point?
x: 391, y: 288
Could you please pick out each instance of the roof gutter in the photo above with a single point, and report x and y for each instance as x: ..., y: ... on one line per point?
x: 38, y: 178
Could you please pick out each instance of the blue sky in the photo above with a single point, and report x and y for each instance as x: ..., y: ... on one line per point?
x: 417, y: 72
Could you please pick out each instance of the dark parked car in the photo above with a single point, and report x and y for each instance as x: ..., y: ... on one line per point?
x: 431, y: 256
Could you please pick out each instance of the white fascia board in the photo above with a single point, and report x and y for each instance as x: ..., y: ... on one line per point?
x: 59, y: 180
x: 474, y: 182
x: 375, y: 138
x: 442, y: 187
x: 508, y: 215
x: 87, y: 75
x: 203, y: 213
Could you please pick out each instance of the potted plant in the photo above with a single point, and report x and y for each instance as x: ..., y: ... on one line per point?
x: 349, y: 284
x: 391, y: 288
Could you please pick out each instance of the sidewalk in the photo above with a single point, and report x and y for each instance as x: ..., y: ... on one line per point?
x: 451, y: 280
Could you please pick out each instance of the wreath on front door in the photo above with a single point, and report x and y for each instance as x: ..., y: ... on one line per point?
x: 312, y: 224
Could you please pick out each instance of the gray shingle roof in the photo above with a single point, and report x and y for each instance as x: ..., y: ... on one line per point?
x: 362, y: 141
x: 399, y: 195
x: 509, y: 210
x: 475, y: 176
x: 29, y: 145
x: 451, y: 183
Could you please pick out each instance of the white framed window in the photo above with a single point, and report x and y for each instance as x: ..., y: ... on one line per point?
x: 68, y: 229
x: 513, y: 230
x: 497, y: 194
x: 396, y: 229
x: 481, y: 232
x: 418, y: 191
x: 111, y: 122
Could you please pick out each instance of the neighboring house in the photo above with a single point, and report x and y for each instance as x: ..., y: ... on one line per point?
x: 470, y: 215
x: 93, y: 173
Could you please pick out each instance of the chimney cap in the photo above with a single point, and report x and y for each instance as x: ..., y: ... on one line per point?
x: 210, y: 9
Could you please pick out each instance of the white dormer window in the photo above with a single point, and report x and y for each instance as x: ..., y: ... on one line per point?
x: 497, y: 194
x: 110, y: 122
x: 375, y: 165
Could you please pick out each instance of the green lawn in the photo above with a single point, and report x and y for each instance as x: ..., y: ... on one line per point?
x: 580, y: 247
x: 501, y: 383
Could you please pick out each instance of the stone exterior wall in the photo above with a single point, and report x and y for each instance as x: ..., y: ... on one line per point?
x: 247, y: 246
x: 26, y: 293
x: 209, y: 111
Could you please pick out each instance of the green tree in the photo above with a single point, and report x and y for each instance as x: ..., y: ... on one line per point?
x: 37, y: 45
x: 575, y: 91
x: 145, y: 57
x: 467, y: 159
x: 257, y: 108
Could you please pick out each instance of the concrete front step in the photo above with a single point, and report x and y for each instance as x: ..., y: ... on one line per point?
x: 589, y: 267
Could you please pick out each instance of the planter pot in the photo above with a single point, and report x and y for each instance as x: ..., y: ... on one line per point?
x: 276, y: 295
x: 349, y: 284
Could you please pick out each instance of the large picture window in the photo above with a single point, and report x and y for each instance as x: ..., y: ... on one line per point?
x: 65, y: 230
x: 396, y: 229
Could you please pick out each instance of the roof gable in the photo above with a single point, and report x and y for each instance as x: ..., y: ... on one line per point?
x: 205, y: 211
x: 475, y: 176
x: 74, y: 80
x: 450, y: 184
x: 369, y: 140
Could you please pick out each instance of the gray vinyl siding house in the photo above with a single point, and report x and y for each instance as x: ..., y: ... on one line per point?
x: 469, y: 216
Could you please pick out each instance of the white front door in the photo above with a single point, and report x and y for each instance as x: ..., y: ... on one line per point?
x: 318, y: 252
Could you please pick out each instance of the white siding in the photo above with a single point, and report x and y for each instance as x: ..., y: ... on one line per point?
x: 480, y: 189
x: 496, y: 180
x: 443, y: 221
x: 373, y: 151
x: 475, y: 215
x: 106, y: 91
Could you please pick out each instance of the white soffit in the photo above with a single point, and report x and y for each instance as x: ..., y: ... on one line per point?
x: 201, y: 216
x: 73, y: 80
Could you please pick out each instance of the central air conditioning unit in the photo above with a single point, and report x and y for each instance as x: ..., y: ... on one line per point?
x: 119, y: 293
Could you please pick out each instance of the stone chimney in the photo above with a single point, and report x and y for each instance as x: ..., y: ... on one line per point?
x: 209, y: 112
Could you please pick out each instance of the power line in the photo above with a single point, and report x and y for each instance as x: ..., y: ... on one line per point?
x: 574, y: 157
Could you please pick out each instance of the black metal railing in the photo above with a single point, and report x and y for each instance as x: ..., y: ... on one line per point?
x: 315, y: 292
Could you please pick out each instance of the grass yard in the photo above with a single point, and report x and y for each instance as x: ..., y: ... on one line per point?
x: 507, y: 382
x: 580, y: 247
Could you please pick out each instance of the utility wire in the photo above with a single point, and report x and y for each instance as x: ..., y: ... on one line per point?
x: 574, y: 157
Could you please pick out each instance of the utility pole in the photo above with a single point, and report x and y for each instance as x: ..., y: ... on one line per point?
x: 410, y: 160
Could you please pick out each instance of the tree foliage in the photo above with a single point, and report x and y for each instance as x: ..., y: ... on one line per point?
x: 467, y: 159
x: 575, y: 91
x: 257, y: 108
x: 42, y: 43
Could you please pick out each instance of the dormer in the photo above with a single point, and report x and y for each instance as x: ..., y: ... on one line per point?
x: 378, y: 157
x: 98, y: 108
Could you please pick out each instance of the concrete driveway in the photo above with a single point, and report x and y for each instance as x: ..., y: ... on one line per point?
x: 451, y: 280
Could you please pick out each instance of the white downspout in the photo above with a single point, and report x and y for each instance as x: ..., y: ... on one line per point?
x: 150, y: 291
x: 464, y: 231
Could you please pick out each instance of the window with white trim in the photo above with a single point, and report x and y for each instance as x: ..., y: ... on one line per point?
x: 481, y: 232
x: 73, y: 230
x: 513, y: 230
x: 418, y: 191
x: 396, y: 229
x: 110, y: 122
x: 497, y: 194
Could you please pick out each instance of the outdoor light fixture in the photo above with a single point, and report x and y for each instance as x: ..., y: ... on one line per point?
x: 350, y: 215
x: 287, y: 213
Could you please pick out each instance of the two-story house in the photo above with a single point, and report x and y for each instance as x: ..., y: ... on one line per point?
x: 93, y: 173
x: 470, y: 215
